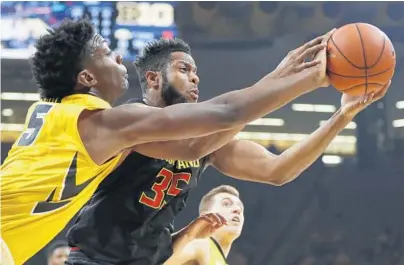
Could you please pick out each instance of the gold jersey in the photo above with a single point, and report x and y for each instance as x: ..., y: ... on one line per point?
x: 216, y: 254
x: 48, y: 175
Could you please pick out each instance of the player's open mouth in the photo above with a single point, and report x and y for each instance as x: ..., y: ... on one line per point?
x: 236, y: 219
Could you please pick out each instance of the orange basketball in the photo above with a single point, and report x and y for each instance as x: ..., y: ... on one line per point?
x: 361, y: 59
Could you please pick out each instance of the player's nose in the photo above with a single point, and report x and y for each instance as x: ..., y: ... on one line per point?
x: 119, y: 59
x: 195, y: 79
x: 236, y: 210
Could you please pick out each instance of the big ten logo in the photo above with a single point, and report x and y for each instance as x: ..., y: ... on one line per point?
x: 145, y: 14
x: 167, y: 183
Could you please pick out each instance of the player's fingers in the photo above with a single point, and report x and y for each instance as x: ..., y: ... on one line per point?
x: 368, y: 99
x: 222, y: 219
x: 382, y: 92
x: 310, y: 52
x: 309, y: 44
x: 211, y: 220
x: 325, y: 39
x: 308, y: 64
x: 328, y: 35
x: 219, y: 219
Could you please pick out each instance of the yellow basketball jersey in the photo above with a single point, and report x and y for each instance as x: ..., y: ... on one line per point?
x: 216, y: 255
x: 48, y: 175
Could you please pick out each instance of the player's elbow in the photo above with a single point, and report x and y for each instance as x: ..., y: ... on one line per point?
x: 279, y: 176
x: 278, y: 181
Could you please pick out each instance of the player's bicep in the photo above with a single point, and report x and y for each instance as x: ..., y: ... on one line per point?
x: 137, y: 124
x: 245, y: 160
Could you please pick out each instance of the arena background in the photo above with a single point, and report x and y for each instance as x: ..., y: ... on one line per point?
x: 348, y: 208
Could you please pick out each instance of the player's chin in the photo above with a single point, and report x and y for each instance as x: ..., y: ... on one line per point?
x: 192, y: 100
x: 234, y: 229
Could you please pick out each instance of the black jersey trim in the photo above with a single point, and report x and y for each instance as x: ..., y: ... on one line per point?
x: 219, y: 248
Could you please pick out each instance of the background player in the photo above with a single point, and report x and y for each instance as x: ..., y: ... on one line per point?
x: 167, y: 73
x: 57, y: 253
x: 73, y: 138
x: 214, y: 249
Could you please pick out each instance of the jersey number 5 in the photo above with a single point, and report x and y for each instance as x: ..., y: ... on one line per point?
x: 168, y: 183
x: 35, y: 124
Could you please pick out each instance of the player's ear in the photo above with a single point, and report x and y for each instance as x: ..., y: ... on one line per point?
x: 153, y: 79
x: 86, y: 79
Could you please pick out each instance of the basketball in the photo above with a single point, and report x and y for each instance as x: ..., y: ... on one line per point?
x: 360, y: 59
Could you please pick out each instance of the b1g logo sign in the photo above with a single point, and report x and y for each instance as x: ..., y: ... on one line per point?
x: 145, y: 14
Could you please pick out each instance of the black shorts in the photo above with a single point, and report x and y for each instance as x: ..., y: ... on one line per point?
x: 76, y: 257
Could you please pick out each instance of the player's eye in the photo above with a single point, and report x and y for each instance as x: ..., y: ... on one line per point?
x: 183, y: 69
x: 226, y: 203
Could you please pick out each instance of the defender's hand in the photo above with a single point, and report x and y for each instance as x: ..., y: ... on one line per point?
x: 205, y: 225
x: 295, y: 61
x: 351, y: 106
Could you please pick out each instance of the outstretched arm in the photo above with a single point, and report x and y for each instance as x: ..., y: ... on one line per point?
x: 246, y: 160
x: 105, y: 133
x: 196, y: 148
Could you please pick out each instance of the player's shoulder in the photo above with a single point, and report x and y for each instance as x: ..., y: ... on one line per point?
x: 200, y: 245
x: 202, y: 250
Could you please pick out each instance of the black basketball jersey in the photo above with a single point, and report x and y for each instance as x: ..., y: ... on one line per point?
x: 129, y: 219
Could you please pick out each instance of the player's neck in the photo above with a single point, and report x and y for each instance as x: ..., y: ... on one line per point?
x: 225, y: 242
x: 108, y: 98
x: 151, y: 101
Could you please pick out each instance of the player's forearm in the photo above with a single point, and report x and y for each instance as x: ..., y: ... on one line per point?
x: 266, y: 95
x: 292, y: 162
x: 180, y: 240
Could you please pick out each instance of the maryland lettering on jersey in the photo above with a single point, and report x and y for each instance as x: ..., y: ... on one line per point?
x: 178, y: 164
x: 168, y: 183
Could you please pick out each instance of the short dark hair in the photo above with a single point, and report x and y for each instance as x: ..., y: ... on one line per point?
x: 156, y: 56
x: 207, y: 200
x: 55, y: 245
x: 59, y: 56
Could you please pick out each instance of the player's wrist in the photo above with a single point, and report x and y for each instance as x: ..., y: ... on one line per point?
x: 346, y: 114
x: 186, y: 234
x: 311, y: 77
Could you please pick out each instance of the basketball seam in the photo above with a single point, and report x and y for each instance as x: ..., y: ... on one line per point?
x: 381, y: 53
x: 364, y: 58
x: 352, y: 76
x: 361, y: 85
x: 343, y: 55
